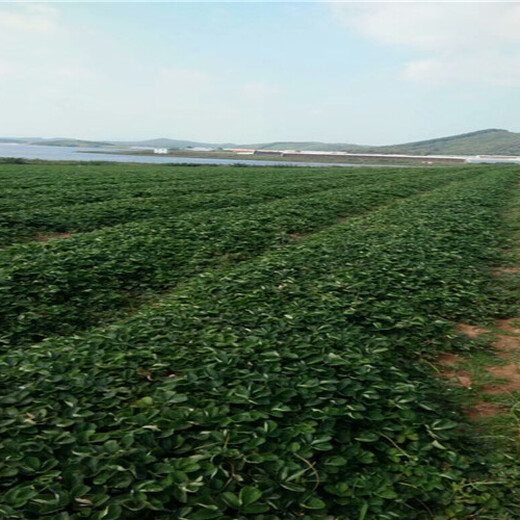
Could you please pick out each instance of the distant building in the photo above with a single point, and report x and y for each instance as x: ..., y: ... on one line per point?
x: 242, y: 151
x: 160, y: 150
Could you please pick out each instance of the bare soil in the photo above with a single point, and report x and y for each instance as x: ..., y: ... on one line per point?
x: 44, y: 237
x: 506, y: 270
x: 472, y: 331
x: 507, y: 345
x: 484, y: 409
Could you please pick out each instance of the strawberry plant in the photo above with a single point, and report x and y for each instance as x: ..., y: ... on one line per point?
x: 63, y: 286
x: 293, y: 384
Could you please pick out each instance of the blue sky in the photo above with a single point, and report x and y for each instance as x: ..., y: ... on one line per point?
x: 368, y: 73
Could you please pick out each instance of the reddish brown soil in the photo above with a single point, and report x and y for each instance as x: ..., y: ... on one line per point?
x: 51, y: 236
x: 454, y: 376
x: 471, y: 330
x: 449, y: 358
x: 508, y: 347
x: 506, y: 270
x: 459, y: 378
x: 510, y: 325
x: 484, y: 409
x: 297, y: 235
x: 511, y: 373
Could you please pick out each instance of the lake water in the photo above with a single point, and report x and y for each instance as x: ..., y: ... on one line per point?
x: 493, y: 161
x: 69, y: 153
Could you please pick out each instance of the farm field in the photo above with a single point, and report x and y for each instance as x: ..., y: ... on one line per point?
x: 249, y: 342
x: 330, y: 159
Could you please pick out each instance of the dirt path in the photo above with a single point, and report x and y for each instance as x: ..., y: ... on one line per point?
x: 490, y: 372
x: 500, y: 379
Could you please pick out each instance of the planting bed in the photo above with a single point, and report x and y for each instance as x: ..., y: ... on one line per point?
x: 283, y: 367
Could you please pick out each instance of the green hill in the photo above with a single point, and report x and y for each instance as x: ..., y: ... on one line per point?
x: 483, y: 142
x: 308, y: 145
x: 81, y: 143
x: 163, y: 142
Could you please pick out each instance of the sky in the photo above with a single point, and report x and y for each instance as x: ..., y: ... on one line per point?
x: 250, y: 72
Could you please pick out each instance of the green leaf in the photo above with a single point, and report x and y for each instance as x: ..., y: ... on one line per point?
x: 145, y: 402
x: 367, y: 437
x: 336, y: 461
x: 112, y: 512
x: 248, y: 495
x: 388, y: 493
x: 314, y: 503
x: 231, y: 499
x: 205, y: 514
x: 19, y: 496
x: 438, y: 445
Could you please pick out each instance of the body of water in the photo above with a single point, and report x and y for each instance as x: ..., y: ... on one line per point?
x: 493, y: 161
x: 69, y: 153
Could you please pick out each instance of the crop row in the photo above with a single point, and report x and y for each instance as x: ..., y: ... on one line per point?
x: 74, y: 185
x: 163, y: 201
x: 59, y: 287
x: 46, y: 214
x: 293, y: 386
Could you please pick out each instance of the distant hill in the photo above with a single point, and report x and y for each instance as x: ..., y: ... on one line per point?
x: 307, y: 145
x: 163, y: 142
x: 151, y: 143
x: 484, y: 142
x: 20, y: 140
x: 72, y: 142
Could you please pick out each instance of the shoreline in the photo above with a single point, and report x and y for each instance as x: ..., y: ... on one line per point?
x: 333, y: 160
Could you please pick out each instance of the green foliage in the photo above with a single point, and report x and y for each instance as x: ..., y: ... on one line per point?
x: 12, y: 160
x: 292, y: 385
x: 62, y: 286
x: 51, y: 199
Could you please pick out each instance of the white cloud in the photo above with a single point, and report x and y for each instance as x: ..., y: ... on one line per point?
x: 26, y: 33
x: 56, y: 79
x: 477, y: 42
x: 29, y: 18
x: 35, y: 48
